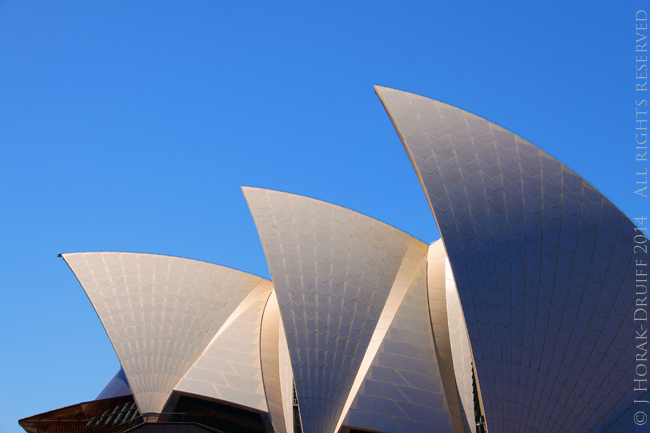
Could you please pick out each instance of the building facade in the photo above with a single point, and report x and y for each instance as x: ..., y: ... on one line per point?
x: 519, y: 319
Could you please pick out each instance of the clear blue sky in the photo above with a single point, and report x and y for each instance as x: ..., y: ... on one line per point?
x: 130, y: 126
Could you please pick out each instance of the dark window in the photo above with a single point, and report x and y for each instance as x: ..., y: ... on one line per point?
x: 219, y: 416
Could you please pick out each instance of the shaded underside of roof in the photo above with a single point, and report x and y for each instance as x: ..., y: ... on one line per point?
x: 118, y: 386
x: 90, y: 417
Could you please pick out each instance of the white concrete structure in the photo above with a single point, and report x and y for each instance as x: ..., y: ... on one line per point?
x: 519, y: 319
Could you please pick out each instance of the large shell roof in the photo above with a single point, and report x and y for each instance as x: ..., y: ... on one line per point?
x: 544, y: 267
x: 160, y: 313
x: 532, y: 288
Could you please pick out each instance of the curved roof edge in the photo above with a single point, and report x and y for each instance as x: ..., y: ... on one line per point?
x: 380, y: 89
x: 332, y: 268
x: 247, y: 187
x: 160, y: 313
x: 526, y: 238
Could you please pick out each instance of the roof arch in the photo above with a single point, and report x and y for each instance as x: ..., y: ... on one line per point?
x: 542, y: 263
x: 340, y: 278
x: 160, y: 313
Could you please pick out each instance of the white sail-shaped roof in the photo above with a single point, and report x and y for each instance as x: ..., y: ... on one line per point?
x: 340, y: 278
x: 543, y: 264
x: 159, y: 312
x: 230, y: 368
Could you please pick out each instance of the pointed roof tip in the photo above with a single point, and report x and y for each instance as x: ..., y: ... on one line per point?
x: 246, y: 189
x: 382, y: 88
x: 249, y: 191
x: 291, y: 194
x: 379, y: 88
x: 382, y: 92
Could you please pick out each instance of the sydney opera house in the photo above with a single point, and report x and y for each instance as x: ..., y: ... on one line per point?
x: 519, y: 319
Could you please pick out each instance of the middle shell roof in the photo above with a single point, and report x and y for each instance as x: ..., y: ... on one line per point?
x: 347, y: 285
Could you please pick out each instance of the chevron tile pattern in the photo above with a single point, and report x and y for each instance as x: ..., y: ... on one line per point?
x: 542, y: 262
x: 523, y: 312
x: 332, y: 270
x: 159, y: 312
x: 229, y: 369
x: 402, y: 391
